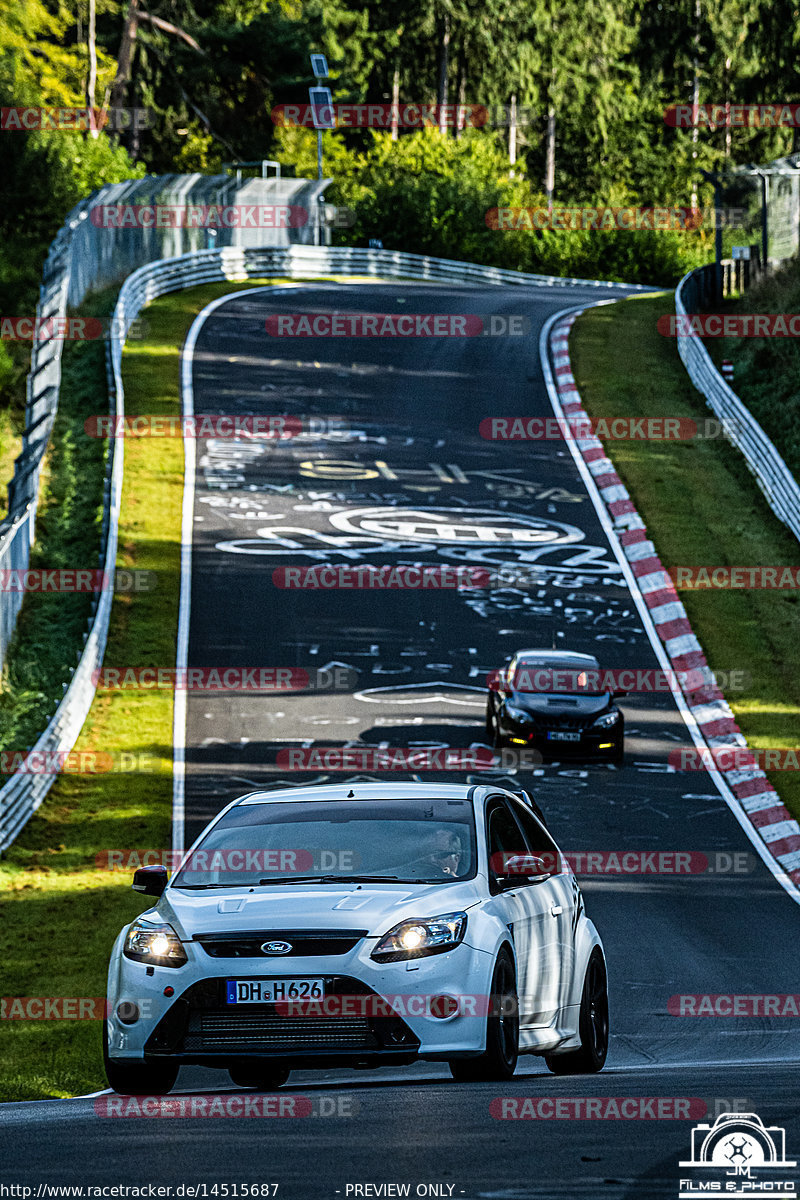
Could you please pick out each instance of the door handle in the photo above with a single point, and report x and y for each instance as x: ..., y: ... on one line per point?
x: 556, y: 910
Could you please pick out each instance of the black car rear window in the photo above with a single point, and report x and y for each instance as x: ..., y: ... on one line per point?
x: 556, y: 676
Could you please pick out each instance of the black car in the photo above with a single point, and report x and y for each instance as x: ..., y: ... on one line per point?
x: 545, y: 699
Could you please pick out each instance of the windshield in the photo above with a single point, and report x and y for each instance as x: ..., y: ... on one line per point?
x: 420, y: 841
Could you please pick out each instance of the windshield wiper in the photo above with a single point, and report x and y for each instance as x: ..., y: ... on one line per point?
x: 196, y: 887
x: 336, y: 879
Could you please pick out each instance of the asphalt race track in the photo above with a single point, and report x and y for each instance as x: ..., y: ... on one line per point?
x: 393, y: 471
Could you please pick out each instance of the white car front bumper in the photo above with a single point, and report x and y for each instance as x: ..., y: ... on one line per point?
x: 180, y: 1025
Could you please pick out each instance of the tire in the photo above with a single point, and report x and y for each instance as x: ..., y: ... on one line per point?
x: 489, y: 726
x: 496, y: 737
x: 499, y: 1059
x: 138, y: 1079
x: 590, y: 1056
x: 264, y: 1078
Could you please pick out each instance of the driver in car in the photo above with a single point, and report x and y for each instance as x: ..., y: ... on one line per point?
x: 441, y: 855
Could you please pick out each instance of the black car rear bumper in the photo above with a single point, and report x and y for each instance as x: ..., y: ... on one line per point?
x: 590, y: 745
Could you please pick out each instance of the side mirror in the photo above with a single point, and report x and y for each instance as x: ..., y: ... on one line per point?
x: 496, y: 680
x: 514, y: 870
x: 150, y: 881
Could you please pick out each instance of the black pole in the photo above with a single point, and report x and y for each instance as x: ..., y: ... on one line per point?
x: 718, y: 241
x: 764, y: 224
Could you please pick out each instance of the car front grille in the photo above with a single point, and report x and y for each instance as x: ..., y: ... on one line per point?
x: 240, y: 1031
x: 305, y: 943
x: 200, y: 1023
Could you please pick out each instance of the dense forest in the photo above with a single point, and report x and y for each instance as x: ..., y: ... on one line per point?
x: 590, y: 84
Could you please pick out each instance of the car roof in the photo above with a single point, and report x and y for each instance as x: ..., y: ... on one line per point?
x: 408, y: 790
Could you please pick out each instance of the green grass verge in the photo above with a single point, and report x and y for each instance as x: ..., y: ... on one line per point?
x: 701, y: 506
x: 59, y: 911
x: 12, y: 423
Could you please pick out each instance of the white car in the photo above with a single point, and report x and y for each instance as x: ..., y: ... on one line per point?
x: 364, y: 925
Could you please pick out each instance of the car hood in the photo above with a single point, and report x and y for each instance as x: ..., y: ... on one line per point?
x: 560, y: 706
x: 296, y: 906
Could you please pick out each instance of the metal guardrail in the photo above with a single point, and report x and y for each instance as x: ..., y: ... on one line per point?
x: 24, y: 792
x: 304, y: 262
x: 776, y: 481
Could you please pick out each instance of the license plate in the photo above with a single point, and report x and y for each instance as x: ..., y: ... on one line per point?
x: 269, y: 991
x: 562, y: 735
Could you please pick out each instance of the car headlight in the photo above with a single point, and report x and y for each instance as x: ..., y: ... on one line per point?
x: 607, y: 720
x: 517, y: 714
x: 157, y: 944
x: 418, y: 939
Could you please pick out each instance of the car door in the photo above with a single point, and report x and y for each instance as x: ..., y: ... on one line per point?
x: 566, y: 901
x: 526, y: 910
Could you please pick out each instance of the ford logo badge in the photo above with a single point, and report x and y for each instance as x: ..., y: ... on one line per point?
x: 276, y: 947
